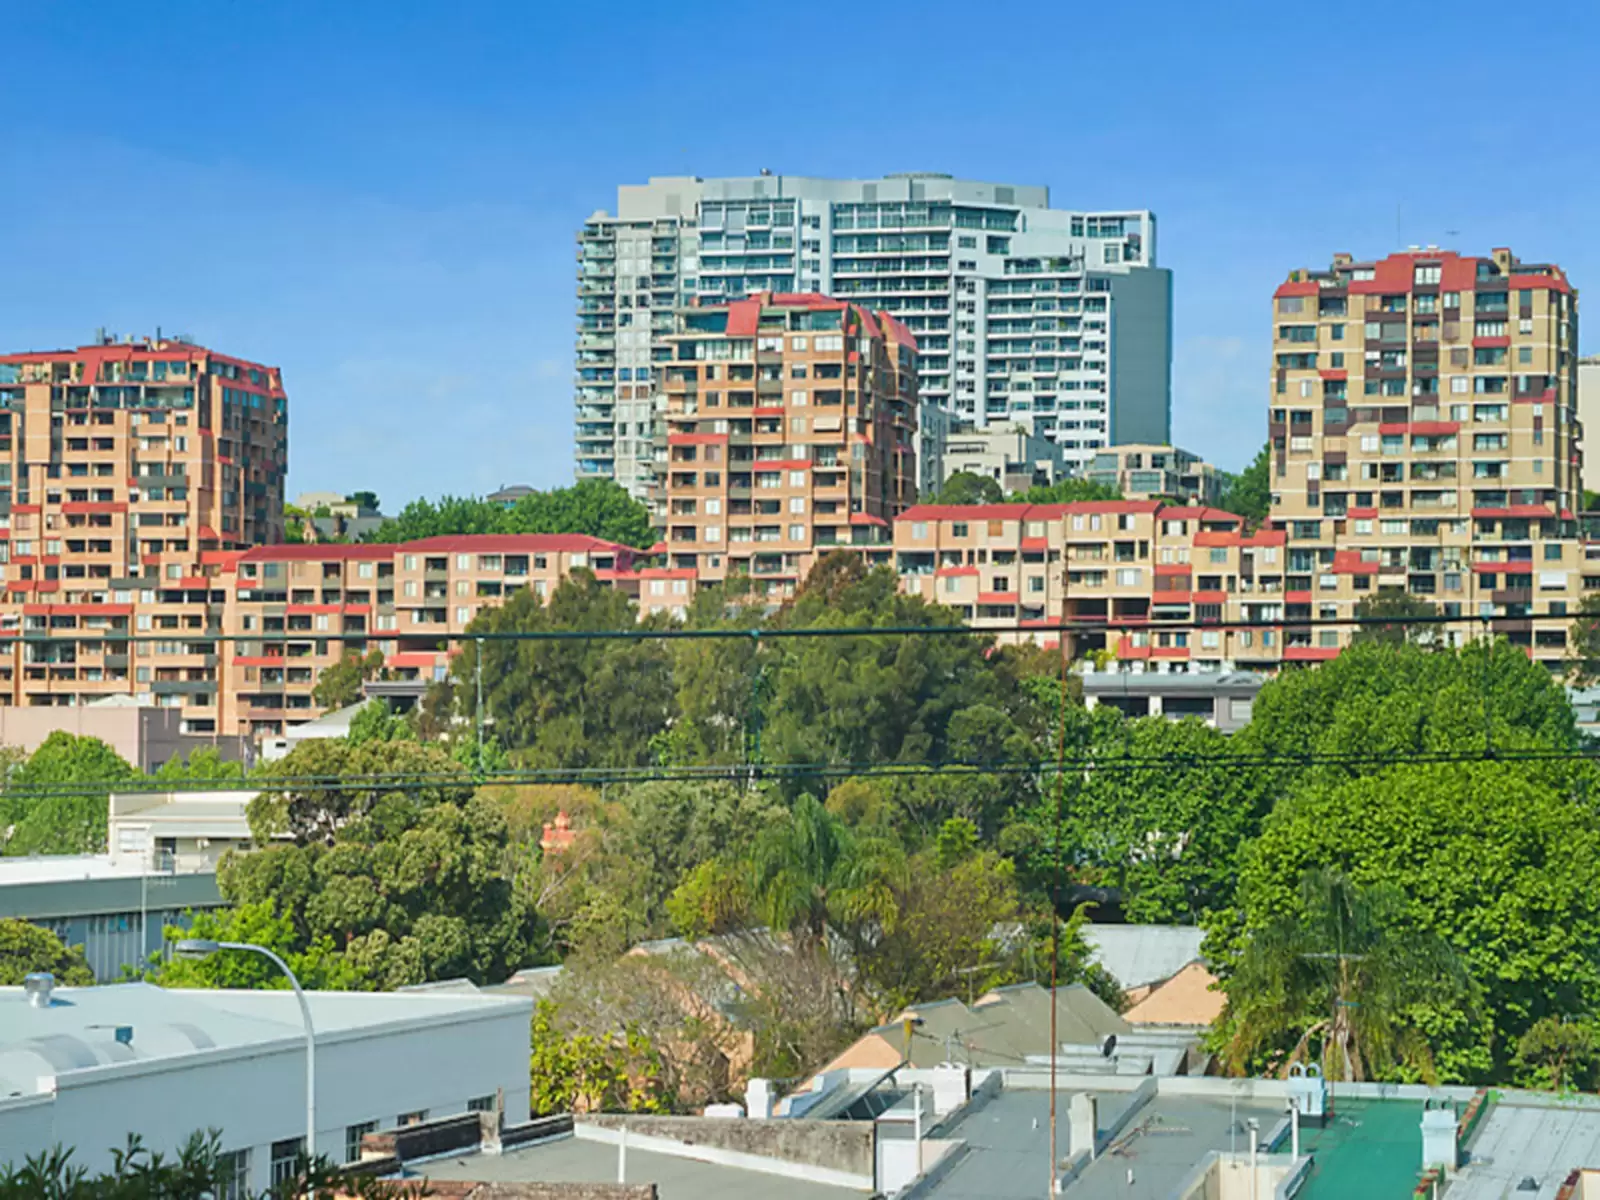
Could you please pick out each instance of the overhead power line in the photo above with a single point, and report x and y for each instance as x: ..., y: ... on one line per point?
x: 742, y: 772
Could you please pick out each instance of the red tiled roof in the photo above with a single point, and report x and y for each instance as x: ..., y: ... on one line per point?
x: 965, y: 512
x: 504, y: 542
x: 317, y: 553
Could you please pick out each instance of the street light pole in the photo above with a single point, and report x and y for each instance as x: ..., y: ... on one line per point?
x: 204, y: 948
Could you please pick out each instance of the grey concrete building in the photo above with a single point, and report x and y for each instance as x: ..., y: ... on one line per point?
x: 1018, y: 308
x: 1011, y: 454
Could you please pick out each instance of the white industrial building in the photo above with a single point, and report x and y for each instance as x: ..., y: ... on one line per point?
x: 88, y: 1066
x: 161, y: 866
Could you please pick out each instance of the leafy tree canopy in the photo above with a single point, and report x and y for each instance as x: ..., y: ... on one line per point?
x: 968, y: 487
x: 339, y: 685
x: 570, y: 703
x: 1068, y: 491
x: 26, y: 948
x: 72, y: 821
x: 1399, y: 606
x: 1249, y: 493
x: 598, y: 507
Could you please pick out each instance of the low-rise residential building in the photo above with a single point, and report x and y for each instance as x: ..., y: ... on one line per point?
x: 181, y: 832
x: 1221, y: 698
x: 1144, y: 578
x: 1144, y: 472
x: 1012, y: 455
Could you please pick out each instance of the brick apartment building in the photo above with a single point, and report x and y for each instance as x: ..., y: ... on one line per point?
x: 1425, y: 436
x: 790, y: 430
x: 1156, y: 572
x: 128, y: 471
x: 1422, y: 419
x: 295, y: 609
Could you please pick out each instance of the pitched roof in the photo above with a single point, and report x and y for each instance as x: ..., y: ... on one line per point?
x: 1190, y: 997
x: 1137, y: 955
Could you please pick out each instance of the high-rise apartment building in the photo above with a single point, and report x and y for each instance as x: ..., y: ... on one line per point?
x: 790, y: 423
x: 128, y: 471
x: 1018, y: 308
x: 1424, y: 435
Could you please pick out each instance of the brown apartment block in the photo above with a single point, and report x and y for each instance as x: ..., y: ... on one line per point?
x: 1157, y: 574
x: 128, y: 470
x: 1425, y: 437
x: 295, y: 609
x: 790, y: 424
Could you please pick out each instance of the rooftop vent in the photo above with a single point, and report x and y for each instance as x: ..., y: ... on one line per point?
x: 38, y: 987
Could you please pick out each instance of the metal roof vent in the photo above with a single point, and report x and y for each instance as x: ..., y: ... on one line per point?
x: 38, y: 987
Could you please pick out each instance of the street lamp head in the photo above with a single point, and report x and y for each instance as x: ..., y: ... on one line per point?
x: 196, y: 948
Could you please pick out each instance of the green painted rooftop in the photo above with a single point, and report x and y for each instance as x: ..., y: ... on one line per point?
x: 1367, y: 1148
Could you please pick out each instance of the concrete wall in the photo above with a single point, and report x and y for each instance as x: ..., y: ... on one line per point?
x: 145, y: 737
x: 835, y: 1146
x: 256, y: 1095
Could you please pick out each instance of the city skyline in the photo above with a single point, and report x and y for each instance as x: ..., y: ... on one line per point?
x: 396, y: 232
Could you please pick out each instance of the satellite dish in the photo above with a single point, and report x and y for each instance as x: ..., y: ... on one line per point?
x: 1109, y: 1046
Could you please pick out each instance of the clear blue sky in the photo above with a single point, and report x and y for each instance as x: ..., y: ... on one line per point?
x: 381, y: 198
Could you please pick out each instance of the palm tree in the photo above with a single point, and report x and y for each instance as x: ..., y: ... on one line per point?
x: 810, y: 872
x: 1344, y: 973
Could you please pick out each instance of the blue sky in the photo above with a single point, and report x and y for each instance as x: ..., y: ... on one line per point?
x: 381, y: 198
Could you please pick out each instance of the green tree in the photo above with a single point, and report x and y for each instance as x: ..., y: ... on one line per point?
x: 1346, y: 977
x: 406, y: 891
x: 1396, y: 605
x: 1496, y: 858
x: 949, y: 933
x: 339, y: 685
x: 316, y: 963
x: 598, y: 507
x: 1583, y: 642
x: 1558, y: 1054
x: 364, y: 500
x: 56, y: 802
x: 26, y: 948
x: 671, y: 827
x: 1070, y: 490
x: 376, y: 723
x: 204, y: 765
x: 583, y: 1072
x: 869, y: 698
x: 810, y: 873
x: 1162, y: 819
x: 968, y: 487
x: 570, y: 703
x: 1249, y: 493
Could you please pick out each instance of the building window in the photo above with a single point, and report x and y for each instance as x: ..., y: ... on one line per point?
x: 233, y: 1175
x: 412, y: 1118
x: 285, y: 1159
x: 352, y: 1139
x: 486, y: 1103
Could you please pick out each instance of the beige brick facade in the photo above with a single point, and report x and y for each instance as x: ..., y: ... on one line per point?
x: 790, y: 431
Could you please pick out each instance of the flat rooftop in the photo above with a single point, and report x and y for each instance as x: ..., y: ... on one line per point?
x: 67, y: 868
x: 78, y: 1029
x: 575, y: 1160
x: 1008, y: 1139
x: 1539, y: 1139
x: 1367, y: 1148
